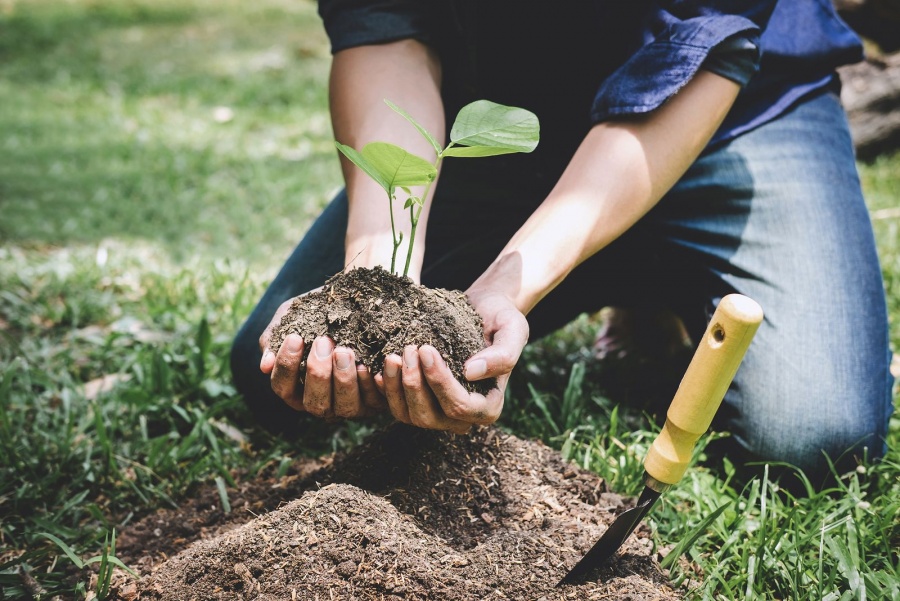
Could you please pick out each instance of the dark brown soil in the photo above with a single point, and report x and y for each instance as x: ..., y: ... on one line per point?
x: 411, y: 514
x: 377, y: 313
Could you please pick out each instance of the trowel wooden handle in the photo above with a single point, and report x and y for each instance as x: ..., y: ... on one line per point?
x: 704, y: 385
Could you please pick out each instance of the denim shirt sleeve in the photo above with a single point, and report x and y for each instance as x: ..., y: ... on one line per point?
x: 736, y: 58
x: 350, y: 23
x: 680, y: 38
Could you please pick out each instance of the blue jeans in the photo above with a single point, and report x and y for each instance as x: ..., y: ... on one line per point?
x: 776, y: 214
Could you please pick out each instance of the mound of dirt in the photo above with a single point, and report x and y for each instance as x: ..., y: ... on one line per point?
x: 377, y: 313
x: 410, y: 514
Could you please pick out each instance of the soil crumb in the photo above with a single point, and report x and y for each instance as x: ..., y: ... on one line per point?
x: 377, y: 313
x: 410, y: 514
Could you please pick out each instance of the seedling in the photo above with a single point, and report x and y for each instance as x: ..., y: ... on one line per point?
x: 106, y: 560
x: 482, y: 128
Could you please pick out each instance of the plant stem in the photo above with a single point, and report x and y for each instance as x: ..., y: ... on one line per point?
x: 393, y: 232
x: 414, y: 219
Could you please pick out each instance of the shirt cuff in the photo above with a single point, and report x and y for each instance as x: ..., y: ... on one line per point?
x: 659, y: 69
x: 373, y: 23
x: 737, y: 59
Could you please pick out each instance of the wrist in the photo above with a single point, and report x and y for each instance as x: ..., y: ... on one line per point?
x: 372, y: 251
x: 506, y: 277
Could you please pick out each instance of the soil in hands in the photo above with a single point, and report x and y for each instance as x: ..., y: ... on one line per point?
x: 377, y: 313
x: 410, y: 514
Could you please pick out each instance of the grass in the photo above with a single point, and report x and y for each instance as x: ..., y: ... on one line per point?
x: 111, y: 130
x: 159, y: 161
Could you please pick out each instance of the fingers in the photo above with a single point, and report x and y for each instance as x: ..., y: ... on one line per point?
x: 457, y: 403
x: 393, y: 388
x: 317, y: 390
x: 334, y: 386
x: 286, y: 371
x: 347, y: 398
x: 418, y: 388
x: 409, y: 398
x: 508, y: 340
x: 372, y: 399
x: 424, y: 410
x: 267, y: 363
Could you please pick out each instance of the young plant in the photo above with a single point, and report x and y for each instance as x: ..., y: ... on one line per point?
x: 481, y: 129
x: 106, y: 560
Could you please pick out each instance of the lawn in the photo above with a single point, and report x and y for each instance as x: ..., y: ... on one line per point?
x: 158, y: 160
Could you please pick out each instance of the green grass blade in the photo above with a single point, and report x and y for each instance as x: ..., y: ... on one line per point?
x: 65, y: 549
x: 113, y: 560
x: 686, y: 543
x: 223, y: 494
x: 539, y: 402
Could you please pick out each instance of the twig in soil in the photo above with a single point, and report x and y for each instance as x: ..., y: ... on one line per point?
x: 31, y: 585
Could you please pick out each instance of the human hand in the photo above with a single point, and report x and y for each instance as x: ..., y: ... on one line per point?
x: 422, y: 391
x: 334, y: 385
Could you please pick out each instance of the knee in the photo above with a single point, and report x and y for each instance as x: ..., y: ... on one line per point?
x: 810, y: 423
x: 823, y: 438
x: 244, y: 358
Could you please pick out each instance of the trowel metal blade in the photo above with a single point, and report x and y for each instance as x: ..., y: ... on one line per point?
x: 613, y: 538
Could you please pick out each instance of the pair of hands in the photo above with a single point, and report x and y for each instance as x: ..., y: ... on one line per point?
x: 417, y: 388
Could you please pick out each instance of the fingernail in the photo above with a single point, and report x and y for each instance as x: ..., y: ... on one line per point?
x: 267, y: 356
x: 360, y: 368
x: 323, y: 347
x: 293, y: 344
x: 410, y: 357
x: 426, y: 356
x: 390, y: 369
x: 341, y: 359
x: 475, y: 369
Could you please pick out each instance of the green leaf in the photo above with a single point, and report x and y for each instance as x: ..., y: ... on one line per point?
x: 413, y: 201
x: 390, y: 166
x: 488, y: 128
x: 398, y: 167
x: 477, y: 151
x: 360, y: 161
x: 422, y: 130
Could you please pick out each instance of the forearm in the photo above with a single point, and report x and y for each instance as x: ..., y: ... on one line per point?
x: 407, y: 73
x: 620, y: 171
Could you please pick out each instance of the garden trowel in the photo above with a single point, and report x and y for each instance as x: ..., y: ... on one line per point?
x: 698, y: 397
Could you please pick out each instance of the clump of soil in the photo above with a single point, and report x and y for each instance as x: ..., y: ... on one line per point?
x: 377, y: 313
x: 411, y: 514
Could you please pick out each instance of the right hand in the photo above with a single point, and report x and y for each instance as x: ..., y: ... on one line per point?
x: 422, y: 391
x: 333, y: 386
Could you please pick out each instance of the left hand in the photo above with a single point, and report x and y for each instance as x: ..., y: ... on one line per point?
x: 422, y: 391
x: 333, y: 384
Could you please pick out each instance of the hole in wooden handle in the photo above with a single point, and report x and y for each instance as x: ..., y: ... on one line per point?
x: 717, y: 335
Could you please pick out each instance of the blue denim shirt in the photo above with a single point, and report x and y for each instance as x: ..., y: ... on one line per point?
x: 580, y: 62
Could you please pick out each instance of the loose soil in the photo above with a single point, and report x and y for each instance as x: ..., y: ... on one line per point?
x: 377, y: 313
x: 409, y: 514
